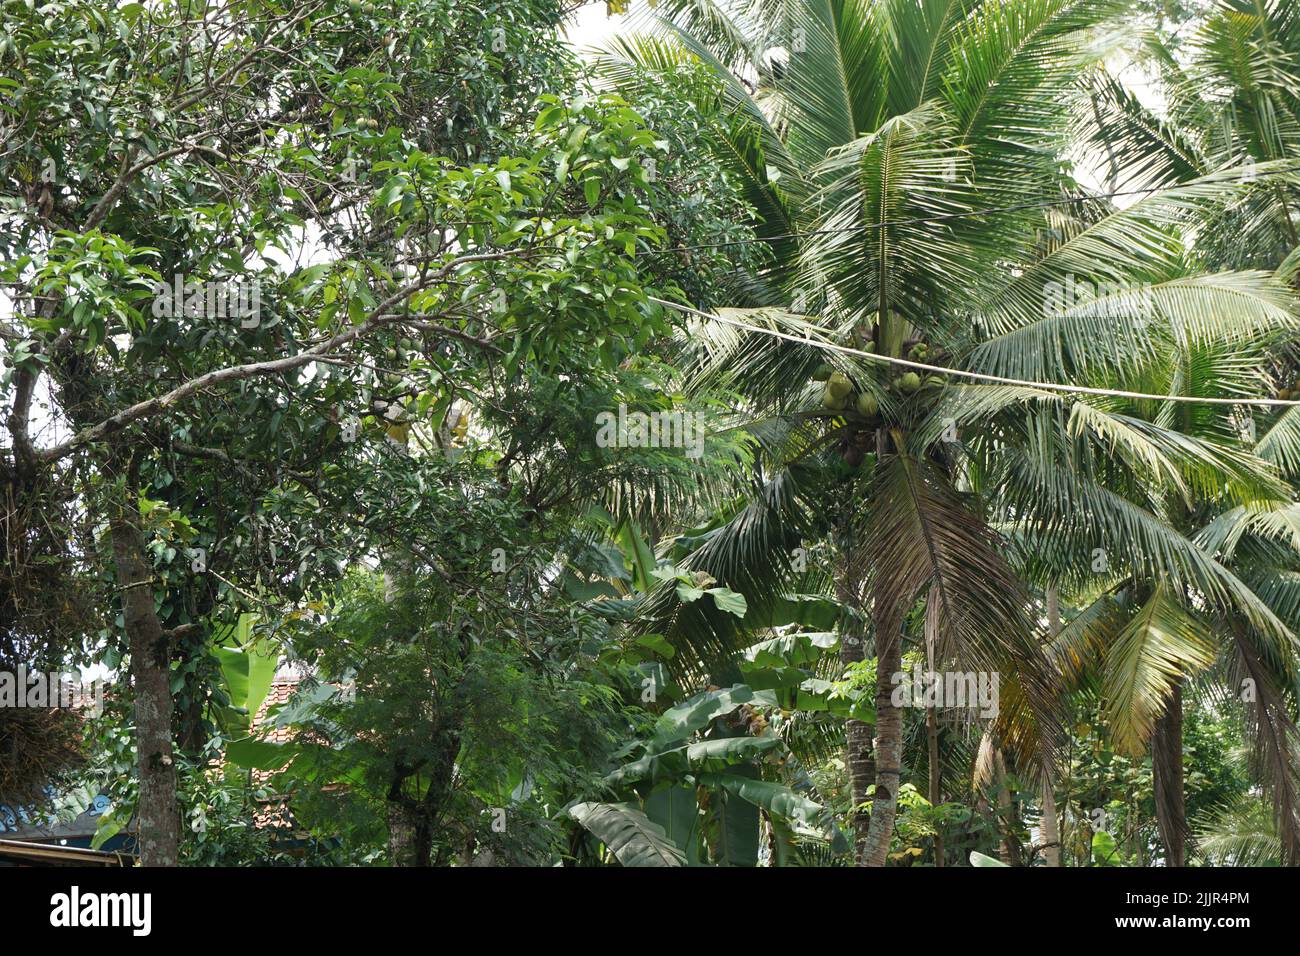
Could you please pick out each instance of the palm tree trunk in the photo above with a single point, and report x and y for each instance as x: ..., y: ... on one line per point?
x: 1049, y: 830
x: 857, y: 748
x: 889, y: 746
x: 1167, y: 779
x: 1048, y: 827
x: 932, y: 718
x: 889, y: 656
x: 858, y: 757
x: 862, y: 773
x: 935, y: 797
x: 1009, y: 851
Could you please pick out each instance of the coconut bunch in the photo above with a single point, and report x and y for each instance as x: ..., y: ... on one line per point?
x: 839, y: 393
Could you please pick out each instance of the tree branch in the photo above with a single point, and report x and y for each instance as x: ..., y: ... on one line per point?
x: 378, y: 317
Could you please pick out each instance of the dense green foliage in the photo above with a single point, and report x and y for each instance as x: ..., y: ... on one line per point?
x: 335, y: 333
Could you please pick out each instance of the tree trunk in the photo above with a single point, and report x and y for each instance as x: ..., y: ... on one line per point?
x: 889, y: 746
x: 862, y: 774
x: 1009, y: 851
x: 412, y: 820
x: 889, y: 654
x: 934, y: 795
x: 857, y: 742
x: 1049, y: 830
x: 407, y: 845
x: 156, y: 810
x: 858, y: 757
x: 1167, y: 779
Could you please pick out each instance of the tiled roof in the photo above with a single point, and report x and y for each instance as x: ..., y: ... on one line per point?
x: 274, y: 812
x: 275, y: 808
x: 282, y: 688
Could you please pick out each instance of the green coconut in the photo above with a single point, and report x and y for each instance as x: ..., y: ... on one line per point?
x: 833, y: 402
x: 839, y: 385
x: 909, y: 382
x: 822, y: 372
x: 867, y: 405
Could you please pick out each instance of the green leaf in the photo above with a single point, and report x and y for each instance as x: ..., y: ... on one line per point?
x: 1162, y: 644
x: 657, y: 643
x: 259, y: 754
x: 687, y: 593
x: 776, y: 799
x: 639, y: 553
x: 728, y: 600
x: 704, y: 755
x: 630, y: 835
x: 246, y: 671
x: 391, y: 193
x: 793, y: 649
x: 679, y: 722
x: 676, y: 811
x: 109, y: 826
x: 1105, y: 851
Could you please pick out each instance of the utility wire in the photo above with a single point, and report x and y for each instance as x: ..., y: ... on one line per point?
x: 981, y: 376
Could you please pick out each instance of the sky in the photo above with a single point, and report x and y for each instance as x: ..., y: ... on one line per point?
x: 591, y: 25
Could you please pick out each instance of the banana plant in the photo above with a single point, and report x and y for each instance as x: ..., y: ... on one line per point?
x: 714, y: 767
x: 695, y: 789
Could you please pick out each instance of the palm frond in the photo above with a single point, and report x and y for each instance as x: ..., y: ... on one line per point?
x: 922, y: 534
x: 1009, y: 79
x: 1080, y: 644
x: 1161, y: 644
x: 878, y: 244
x: 1276, y: 752
x: 1142, y: 149
x: 1087, y: 324
x: 1238, y: 834
x: 1280, y: 444
x: 751, y: 553
x: 1064, y: 503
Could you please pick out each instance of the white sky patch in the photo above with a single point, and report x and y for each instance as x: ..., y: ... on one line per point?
x: 590, y: 25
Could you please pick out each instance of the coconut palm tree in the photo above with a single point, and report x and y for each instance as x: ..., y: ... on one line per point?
x: 1190, y: 530
x: 904, y: 161
x: 1231, y: 99
x: 1233, y: 103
